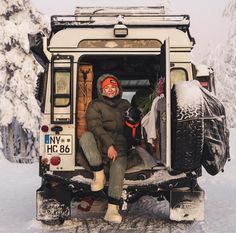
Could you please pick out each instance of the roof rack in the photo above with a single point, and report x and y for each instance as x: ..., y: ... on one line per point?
x: 59, y: 22
x: 130, y: 16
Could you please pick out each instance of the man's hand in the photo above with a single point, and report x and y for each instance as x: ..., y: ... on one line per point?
x: 112, y: 153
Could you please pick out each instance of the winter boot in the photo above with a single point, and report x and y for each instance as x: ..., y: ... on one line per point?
x: 98, y: 181
x: 112, y: 215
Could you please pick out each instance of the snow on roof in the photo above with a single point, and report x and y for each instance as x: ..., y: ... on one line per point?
x: 164, y: 20
x: 119, y: 10
x: 130, y: 15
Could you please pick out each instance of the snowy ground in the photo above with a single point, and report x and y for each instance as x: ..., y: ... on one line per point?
x: 17, y: 206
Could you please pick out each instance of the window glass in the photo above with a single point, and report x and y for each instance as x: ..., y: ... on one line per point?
x: 128, y: 95
x: 131, y: 83
x: 62, y: 88
x: 124, y: 43
x: 177, y: 75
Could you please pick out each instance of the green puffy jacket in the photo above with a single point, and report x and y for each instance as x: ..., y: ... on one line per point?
x: 105, y: 119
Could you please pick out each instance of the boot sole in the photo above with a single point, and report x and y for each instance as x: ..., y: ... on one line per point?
x: 109, y: 221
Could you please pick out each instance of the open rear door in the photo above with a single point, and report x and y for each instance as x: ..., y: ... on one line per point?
x: 165, y: 73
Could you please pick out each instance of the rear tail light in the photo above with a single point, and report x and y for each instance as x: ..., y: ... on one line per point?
x: 55, y: 160
x: 204, y: 84
x: 45, y: 128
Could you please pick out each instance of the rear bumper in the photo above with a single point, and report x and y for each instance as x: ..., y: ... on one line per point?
x: 186, y: 205
x: 56, y: 193
x: 156, y: 183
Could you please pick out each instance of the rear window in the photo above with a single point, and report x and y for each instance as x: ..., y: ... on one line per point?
x: 177, y: 75
x: 121, y: 43
x: 128, y: 95
x: 62, y: 88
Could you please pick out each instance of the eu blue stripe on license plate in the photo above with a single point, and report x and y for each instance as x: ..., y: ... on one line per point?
x: 46, y: 139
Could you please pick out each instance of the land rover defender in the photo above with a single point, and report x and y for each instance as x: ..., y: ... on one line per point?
x: 137, y: 45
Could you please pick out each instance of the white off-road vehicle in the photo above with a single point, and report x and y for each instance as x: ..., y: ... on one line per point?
x: 137, y: 45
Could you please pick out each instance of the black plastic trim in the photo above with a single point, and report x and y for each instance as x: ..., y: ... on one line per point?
x: 62, y: 69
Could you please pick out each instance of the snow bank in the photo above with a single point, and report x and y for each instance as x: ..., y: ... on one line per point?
x: 17, y: 195
x: 17, y: 203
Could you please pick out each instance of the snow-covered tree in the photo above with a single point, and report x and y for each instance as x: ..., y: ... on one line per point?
x: 19, y: 110
x: 230, y: 12
x: 223, y: 60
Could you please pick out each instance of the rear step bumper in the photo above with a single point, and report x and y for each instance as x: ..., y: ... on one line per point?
x: 153, y: 186
x: 56, y: 193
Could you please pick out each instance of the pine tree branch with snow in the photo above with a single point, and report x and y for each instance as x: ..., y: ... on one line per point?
x: 223, y: 60
x: 18, y: 68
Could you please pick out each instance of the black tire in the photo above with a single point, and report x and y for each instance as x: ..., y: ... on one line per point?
x: 187, y: 136
x: 53, y: 222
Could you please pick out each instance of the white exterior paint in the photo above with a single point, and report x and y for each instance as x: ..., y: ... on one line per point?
x: 69, y: 38
x: 66, y: 41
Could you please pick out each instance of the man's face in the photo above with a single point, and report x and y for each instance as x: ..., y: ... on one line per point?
x: 110, y: 91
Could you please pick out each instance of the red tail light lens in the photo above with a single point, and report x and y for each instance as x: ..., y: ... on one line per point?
x: 45, y: 128
x: 204, y: 84
x: 55, y: 160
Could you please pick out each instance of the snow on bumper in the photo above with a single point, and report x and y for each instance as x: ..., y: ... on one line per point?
x: 51, y: 208
x: 157, y: 177
x: 187, y: 205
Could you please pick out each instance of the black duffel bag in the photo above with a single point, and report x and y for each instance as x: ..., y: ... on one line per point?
x: 216, y: 134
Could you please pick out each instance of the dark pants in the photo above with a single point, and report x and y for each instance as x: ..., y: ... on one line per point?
x: 95, y: 159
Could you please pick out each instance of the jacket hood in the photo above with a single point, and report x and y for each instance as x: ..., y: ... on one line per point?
x: 110, y: 101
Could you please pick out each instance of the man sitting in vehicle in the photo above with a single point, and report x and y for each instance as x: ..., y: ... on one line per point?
x: 105, y: 122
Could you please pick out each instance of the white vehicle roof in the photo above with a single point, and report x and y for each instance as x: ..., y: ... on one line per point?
x: 70, y: 38
x: 203, y: 70
x: 98, y: 23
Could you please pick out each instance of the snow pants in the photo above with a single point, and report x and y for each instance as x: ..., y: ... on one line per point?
x: 116, y: 171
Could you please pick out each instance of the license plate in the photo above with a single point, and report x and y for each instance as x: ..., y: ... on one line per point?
x: 59, y: 144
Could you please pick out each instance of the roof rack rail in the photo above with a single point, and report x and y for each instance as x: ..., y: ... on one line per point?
x: 59, y: 22
x: 110, y: 16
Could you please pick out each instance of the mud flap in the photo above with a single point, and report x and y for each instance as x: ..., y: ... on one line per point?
x: 53, y: 206
x: 187, y: 205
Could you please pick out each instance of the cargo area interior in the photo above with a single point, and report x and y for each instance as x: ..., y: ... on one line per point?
x: 138, y: 74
